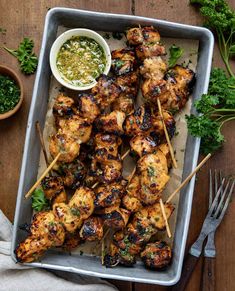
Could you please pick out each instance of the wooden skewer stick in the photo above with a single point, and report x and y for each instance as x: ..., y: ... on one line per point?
x: 188, y: 178
x: 167, y: 136
x: 42, y: 176
x: 131, y: 174
x: 125, y: 154
x: 39, y: 130
x: 94, y: 185
x: 122, y: 158
x: 165, y: 219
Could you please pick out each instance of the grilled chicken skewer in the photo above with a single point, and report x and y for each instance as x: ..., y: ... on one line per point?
x: 124, y: 66
x: 129, y: 242
x: 48, y: 228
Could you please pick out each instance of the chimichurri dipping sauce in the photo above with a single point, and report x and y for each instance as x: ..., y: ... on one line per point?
x: 80, y: 61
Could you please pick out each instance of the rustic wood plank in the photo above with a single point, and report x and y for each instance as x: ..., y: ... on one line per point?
x: 26, y: 18
x: 20, y: 19
x: 181, y: 11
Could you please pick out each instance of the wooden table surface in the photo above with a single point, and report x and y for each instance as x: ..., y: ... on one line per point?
x: 26, y: 18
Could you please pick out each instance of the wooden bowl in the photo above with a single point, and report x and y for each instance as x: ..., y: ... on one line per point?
x: 9, y: 72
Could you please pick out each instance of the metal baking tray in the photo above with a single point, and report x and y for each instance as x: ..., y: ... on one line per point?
x: 85, y: 264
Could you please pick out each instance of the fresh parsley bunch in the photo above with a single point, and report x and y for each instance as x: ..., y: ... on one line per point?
x: 215, y: 108
x: 221, y: 19
x: 25, y: 55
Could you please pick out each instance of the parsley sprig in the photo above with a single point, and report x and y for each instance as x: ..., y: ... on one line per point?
x: 215, y: 108
x: 175, y: 53
x: 221, y: 19
x: 39, y: 201
x: 25, y: 55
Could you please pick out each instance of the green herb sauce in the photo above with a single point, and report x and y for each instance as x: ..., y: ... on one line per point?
x: 9, y: 94
x: 80, y: 61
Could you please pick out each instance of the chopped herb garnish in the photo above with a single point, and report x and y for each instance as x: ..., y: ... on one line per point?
x: 151, y: 171
x: 9, y: 94
x: 75, y: 211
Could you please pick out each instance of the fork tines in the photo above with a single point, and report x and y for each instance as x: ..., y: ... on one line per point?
x: 223, y: 195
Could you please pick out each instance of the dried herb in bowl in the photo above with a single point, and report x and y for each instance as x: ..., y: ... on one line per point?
x: 9, y: 94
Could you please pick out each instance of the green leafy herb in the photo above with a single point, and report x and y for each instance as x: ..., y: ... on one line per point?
x: 75, y: 211
x: 150, y: 171
x: 25, y: 55
x: 39, y: 201
x: 175, y: 53
x: 9, y: 94
x: 221, y: 19
x: 216, y: 108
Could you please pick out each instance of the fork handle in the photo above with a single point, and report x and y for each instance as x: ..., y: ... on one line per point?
x: 190, y: 262
x: 208, y: 274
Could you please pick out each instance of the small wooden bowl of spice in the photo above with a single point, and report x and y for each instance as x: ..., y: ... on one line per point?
x: 11, y: 92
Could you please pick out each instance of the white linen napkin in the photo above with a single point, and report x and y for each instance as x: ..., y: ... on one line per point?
x: 16, y: 277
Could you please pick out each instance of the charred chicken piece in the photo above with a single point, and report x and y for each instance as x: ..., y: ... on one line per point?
x: 63, y: 106
x: 72, y: 173
x: 109, y: 195
x: 52, y: 187
x: 138, y: 35
x: 143, y: 225
x: 106, y: 91
x: 92, y: 229
x: 143, y: 144
x: 118, y: 256
x: 112, y: 122
x: 79, y: 208
x: 149, y: 49
x: 107, y: 168
x: 158, y: 126
x: 131, y: 200
x: 129, y: 83
x: 64, y: 144
x: 129, y: 87
x: 153, y: 172
x: 173, y: 91
x: 69, y: 217
x: 154, y: 215
x: 45, y: 232
x: 135, y: 36
x: 76, y: 127
x: 110, y: 142
x: 87, y: 107
x: 106, y: 164
x: 83, y: 199
x: 147, y: 121
x: 138, y: 122
x: 123, y: 61
x: 124, y: 103
x: 147, y: 42
x: 164, y: 148
x: 116, y: 219
x: 156, y: 255
x: 72, y: 240
x: 153, y: 68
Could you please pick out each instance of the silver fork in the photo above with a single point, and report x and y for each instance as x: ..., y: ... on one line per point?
x: 212, y: 221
